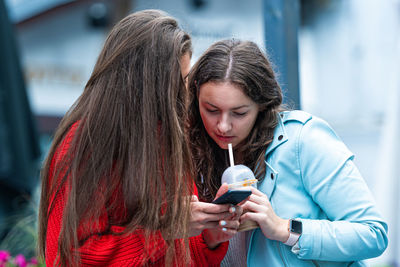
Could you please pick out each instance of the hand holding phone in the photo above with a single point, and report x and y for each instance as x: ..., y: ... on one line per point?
x: 233, y: 197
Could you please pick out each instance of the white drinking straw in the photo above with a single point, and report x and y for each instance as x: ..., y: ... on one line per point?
x: 231, y: 155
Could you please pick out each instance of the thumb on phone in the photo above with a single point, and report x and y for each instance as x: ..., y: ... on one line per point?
x: 222, y: 190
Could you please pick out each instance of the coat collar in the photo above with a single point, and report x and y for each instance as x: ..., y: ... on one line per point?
x: 280, y: 135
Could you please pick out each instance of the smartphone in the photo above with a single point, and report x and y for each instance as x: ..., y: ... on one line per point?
x: 233, y: 197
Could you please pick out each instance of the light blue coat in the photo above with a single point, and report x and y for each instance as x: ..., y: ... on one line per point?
x: 311, y: 176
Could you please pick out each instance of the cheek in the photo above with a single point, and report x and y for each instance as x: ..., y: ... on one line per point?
x: 246, y: 126
x: 207, y: 122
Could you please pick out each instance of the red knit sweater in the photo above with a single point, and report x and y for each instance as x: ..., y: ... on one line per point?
x: 119, y: 250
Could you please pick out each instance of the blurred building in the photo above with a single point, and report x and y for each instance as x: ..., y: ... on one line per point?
x: 60, y: 40
x: 349, y: 64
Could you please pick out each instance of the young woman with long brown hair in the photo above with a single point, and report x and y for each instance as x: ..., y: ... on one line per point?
x: 311, y: 204
x: 117, y: 182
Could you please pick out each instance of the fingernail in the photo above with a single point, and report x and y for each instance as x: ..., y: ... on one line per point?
x: 224, y: 229
x: 232, y: 209
x: 222, y: 223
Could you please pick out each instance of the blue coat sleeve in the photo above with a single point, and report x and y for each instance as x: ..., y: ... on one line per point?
x: 354, y: 229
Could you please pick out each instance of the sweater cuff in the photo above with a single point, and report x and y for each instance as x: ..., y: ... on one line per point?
x: 212, y: 257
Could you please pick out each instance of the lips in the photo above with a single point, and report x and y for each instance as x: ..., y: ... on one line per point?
x: 224, y: 138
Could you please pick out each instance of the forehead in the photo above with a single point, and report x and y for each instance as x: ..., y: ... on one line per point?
x: 223, y: 93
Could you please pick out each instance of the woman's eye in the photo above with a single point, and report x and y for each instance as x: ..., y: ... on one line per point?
x: 239, y: 114
x: 212, y: 110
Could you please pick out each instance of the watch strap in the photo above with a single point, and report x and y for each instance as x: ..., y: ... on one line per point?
x: 292, y: 240
x: 293, y: 236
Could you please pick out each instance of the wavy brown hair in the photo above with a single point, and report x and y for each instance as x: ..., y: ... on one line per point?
x: 244, y: 64
x: 130, y: 139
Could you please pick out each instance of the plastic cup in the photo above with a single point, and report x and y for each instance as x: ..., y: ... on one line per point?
x: 239, y: 177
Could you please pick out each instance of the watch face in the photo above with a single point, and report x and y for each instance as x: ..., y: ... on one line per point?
x: 296, y: 226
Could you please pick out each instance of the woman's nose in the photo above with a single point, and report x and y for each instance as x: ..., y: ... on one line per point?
x: 224, y: 124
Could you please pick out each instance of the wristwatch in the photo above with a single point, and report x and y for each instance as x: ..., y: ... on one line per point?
x: 295, y: 228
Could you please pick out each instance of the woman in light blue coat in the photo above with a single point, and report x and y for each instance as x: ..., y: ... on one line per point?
x: 311, y: 204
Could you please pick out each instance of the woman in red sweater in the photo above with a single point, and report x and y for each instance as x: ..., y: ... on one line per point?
x: 117, y: 182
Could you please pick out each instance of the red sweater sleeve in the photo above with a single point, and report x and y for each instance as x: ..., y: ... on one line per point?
x: 119, y: 250
x: 201, y: 254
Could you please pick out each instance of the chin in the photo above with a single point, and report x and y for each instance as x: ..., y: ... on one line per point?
x: 223, y: 145
x: 220, y: 144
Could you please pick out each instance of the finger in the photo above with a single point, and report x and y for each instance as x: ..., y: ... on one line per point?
x: 255, y: 207
x: 244, y: 201
x: 232, y: 209
x: 207, y: 225
x: 255, y: 191
x: 260, y: 218
x: 246, y: 217
x: 218, y: 216
x: 252, y: 216
x: 236, y: 212
x: 222, y: 190
x: 213, y: 208
x: 260, y: 200
x: 228, y: 232
x: 208, y: 207
x: 234, y: 225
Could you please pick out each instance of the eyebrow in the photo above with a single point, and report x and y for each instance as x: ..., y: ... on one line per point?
x: 235, y: 108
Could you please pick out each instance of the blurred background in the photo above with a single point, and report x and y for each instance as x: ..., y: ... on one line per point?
x: 337, y: 59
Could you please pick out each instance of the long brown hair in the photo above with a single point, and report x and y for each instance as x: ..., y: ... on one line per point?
x: 130, y: 139
x: 244, y: 64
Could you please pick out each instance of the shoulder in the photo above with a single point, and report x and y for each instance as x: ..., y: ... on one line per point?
x: 70, y: 134
x: 306, y: 123
x: 295, y: 116
x: 298, y: 129
x: 311, y: 132
x: 65, y: 143
x: 314, y: 136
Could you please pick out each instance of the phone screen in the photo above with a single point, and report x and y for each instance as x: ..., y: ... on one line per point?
x: 232, y: 197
